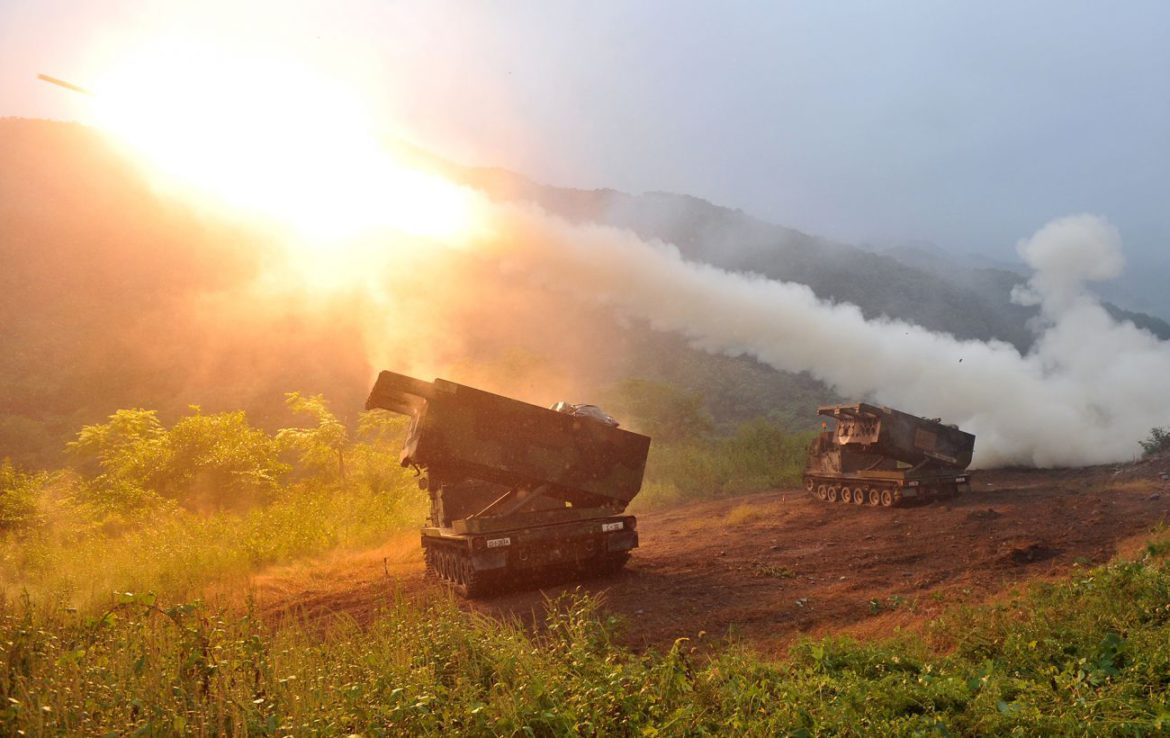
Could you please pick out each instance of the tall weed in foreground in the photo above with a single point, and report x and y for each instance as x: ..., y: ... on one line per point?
x: 1090, y: 656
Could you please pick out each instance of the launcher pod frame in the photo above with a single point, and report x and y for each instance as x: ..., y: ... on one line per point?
x: 880, y: 456
x: 517, y: 491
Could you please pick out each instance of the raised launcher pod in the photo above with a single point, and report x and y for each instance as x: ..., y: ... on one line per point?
x: 880, y: 456
x: 515, y: 489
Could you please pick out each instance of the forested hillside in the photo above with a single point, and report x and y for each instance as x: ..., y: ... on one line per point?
x: 932, y: 290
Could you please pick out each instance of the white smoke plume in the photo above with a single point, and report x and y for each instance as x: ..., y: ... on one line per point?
x: 1088, y: 391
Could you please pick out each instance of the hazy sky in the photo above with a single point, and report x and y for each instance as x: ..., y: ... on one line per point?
x: 969, y: 125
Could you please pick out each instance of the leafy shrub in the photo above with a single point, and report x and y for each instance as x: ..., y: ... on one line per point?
x: 218, y: 460
x: 118, y: 458
x: 179, y: 552
x: 374, y: 459
x: 126, y: 446
x: 204, y: 461
x: 321, y: 449
x: 208, y: 499
x: 1158, y: 441
x: 18, y: 497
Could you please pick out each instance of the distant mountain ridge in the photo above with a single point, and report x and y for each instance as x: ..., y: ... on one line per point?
x: 929, y: 289
x: 998, y: 283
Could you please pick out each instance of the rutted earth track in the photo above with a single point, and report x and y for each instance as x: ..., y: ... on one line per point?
x: 765, y: 568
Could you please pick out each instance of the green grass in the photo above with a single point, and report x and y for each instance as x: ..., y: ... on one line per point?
x: 743, y: 514
x: 1088, y: 656
x: 758, y: 457
x: 180, y: 552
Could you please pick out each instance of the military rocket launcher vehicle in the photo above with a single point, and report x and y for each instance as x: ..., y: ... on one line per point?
x: 880, y: 456
x: 516, y: 490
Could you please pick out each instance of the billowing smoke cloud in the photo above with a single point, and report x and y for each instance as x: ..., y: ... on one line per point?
x: 1086, y: 393
x: 1066, y: 254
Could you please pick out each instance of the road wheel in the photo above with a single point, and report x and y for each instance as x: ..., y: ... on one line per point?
x: 887, y: 498
x: 471, y: 583
x: 822, y: 492
x: 809, y: 484
x: 431, y: 564
x: 859, y: 496
x: 461, y: 580
x: 833, y: 493
x: 846, y: 495
x: 875, y: 496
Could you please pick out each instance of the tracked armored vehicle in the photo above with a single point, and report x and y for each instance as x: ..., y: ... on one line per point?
x: 518, y: 492
x: 880, y: 456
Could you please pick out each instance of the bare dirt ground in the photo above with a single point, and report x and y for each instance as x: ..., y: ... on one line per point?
x: 768, y: 567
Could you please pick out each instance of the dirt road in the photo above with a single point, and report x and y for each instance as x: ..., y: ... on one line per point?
x: 767, y: 567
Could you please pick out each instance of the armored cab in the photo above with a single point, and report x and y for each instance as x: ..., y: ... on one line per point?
x: 515, y: 489
x: 880, y: 456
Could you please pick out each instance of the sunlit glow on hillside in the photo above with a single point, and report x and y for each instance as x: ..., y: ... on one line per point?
x: 277, y: 141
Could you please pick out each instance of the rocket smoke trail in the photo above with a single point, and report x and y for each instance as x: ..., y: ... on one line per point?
x: 1088, y: 390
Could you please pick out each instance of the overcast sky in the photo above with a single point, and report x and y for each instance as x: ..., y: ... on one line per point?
x: 968, y: 125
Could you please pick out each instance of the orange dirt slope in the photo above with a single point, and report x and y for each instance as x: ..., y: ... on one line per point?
x: 767, y: 567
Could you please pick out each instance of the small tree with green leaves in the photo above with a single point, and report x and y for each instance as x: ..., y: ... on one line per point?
x: 128, y: 444
x: 1158, y: 441
x: 375, y: 456
x: 218, y: 460
x: 131, y: 463
x: 320, y: 449
x: 118, y: 458
x: 19, y: 493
